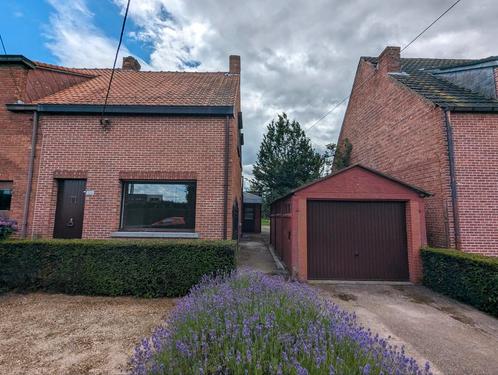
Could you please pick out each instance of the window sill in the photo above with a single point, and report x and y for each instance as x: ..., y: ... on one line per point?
x: 155, y: 234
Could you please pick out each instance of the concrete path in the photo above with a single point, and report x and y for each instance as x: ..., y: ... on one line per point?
x: 453, y: 337
x: 254, y: 253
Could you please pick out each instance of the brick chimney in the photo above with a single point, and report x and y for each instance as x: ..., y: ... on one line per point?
x: 131, y: 63
x: 234, y: 64
x: 390, y: 60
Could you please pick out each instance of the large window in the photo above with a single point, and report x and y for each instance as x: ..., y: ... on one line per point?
x: 5, y: 195
x: 158, y: 206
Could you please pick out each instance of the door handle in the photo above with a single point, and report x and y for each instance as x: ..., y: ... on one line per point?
x: 70, y: 222
x: 356, y: 254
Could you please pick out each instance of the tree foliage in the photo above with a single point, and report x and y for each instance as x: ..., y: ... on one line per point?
x: 337, y: 158
x: 285, y: 160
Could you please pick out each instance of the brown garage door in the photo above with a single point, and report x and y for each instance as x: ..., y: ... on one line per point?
x: 357, y: 240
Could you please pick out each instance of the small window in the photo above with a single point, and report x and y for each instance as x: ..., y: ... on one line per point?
x: 249, y: 213
x: 5, y: 195
x: 158, y: 206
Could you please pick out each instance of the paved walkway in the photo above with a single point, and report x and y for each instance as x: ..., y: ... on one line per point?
x: 254, y: 253
x: 455, y: 338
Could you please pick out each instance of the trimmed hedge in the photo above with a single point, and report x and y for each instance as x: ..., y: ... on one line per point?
x: 470, y: 278
x: 112, y: 267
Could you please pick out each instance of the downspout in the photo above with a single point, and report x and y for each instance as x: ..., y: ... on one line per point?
x: 453, y: 184
x: 27, y: 197
x: 225, y: 177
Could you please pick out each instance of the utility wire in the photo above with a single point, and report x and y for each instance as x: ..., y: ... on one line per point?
x: 3, y: 45
x: 114, y: 65
x: 428, y: 27
x: 405, y: 47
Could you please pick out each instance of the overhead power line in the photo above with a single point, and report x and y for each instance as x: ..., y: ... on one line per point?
x: 370, y: 76
x: 105, y: 122
x: 3, y: 45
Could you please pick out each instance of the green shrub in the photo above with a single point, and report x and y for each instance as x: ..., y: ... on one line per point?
x: 110, y: 267
x: 470, y: 278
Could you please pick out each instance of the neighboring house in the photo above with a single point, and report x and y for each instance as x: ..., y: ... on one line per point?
x: 251, y: 213
x: 433, y: 123
x: 165, y: 161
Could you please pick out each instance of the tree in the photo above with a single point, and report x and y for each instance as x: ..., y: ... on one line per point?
x: 285, y: 161
x: 337, y: 158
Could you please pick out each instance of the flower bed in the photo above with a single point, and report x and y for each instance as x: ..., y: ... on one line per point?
x: 250, y: 323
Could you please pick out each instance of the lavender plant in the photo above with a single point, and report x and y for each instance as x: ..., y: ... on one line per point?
x: 250, y: 323
x: 7, y: 227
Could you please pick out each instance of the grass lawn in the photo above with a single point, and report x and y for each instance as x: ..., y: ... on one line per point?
x: 265, y: 221
x: 59, y: 334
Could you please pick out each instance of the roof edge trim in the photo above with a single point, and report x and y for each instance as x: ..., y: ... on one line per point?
x: 16, y: 59
x: 420, y: 191
x: 124, y: 109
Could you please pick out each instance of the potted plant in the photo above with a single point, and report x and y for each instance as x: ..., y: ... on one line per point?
x: 7, y: 227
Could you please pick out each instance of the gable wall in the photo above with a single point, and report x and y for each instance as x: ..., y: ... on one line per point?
x: 395, y: 131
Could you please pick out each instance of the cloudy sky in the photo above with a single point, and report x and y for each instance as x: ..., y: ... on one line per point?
x: 297, y: 56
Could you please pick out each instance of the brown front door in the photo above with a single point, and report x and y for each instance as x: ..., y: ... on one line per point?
x: 357, y: 240
x: 69, y: 212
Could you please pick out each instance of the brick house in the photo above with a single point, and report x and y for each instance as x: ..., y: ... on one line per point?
x: 164, y: 161
x: 433, y: 123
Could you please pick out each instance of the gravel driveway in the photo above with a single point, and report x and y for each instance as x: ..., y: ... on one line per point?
x: 60, y: 334
x: 453, y: 337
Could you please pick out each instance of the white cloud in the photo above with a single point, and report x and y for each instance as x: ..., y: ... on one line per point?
x: 74, y: 39
x: 298, y: 57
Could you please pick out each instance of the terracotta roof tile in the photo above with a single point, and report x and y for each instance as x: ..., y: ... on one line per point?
x: 149, y: 88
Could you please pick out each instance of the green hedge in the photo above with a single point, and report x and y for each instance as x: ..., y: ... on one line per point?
x: 470, y: 278
x: 110, y: 267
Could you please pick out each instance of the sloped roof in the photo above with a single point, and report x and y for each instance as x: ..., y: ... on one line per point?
x: 151, y: 88
x: 416, y: 75
x: 139, y: 88
x: 374, y: 171
x: 252, y: 198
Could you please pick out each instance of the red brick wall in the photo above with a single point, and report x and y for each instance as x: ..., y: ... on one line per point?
x: 19, y: 83
x: 15, y: 136
x: 158, y: 146
x: 235, y: 172
x: 395, y: 131
x: 475, y: 139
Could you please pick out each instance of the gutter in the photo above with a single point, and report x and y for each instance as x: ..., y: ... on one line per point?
x: 453, y: 184
x: 225, y: 176
x: 124, y: 109
x: 27, y: 197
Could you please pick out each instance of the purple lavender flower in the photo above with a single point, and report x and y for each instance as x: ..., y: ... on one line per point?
x: 248, y: 322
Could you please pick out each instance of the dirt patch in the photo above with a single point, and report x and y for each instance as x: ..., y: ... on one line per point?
x: 346, y: 297
x: 455, y: 314
x: 416, y: 297
x: 59, y: 334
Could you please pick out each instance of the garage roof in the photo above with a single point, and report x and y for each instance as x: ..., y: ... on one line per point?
x: 252, y: 198
x: 412, y: 187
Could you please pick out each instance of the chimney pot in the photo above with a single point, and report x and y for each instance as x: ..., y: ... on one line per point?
x: 131, y: 63
x: 390, y: 60
x: 234, y: 64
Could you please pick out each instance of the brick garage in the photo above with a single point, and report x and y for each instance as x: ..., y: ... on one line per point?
x: 304, y: 238
x: 433, y: 123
